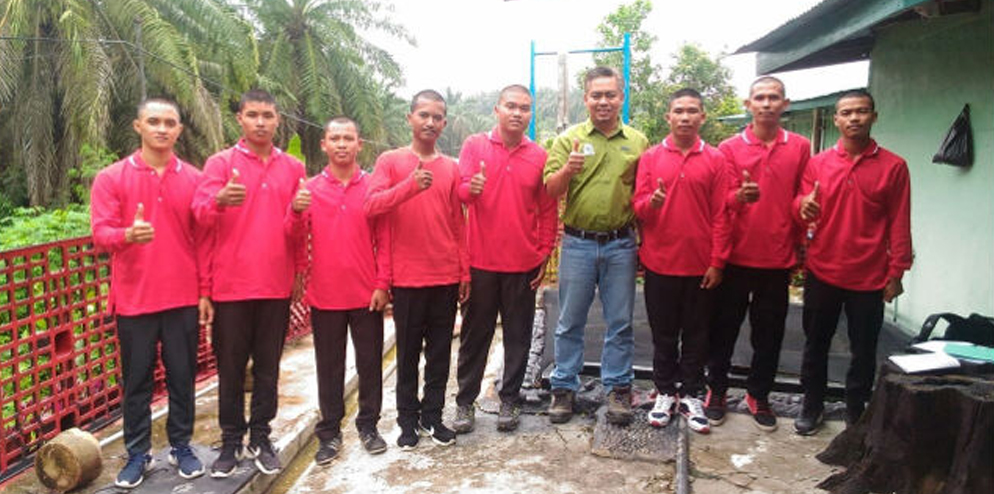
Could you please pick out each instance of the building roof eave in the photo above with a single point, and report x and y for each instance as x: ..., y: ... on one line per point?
x: 834, y: 31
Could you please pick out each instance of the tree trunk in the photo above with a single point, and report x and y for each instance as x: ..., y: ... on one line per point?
x: 920, y: 435
x: 70, y: 460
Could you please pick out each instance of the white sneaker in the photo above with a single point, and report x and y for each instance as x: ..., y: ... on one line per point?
x: 662, y: 412
x: 693, y: 410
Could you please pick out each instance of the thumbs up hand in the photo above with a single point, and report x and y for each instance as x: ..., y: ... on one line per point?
x: 749, y: 191
x: 479, y: 180
x: 421, y: 176
x: 574, y: 164
x: 302, y: 200
x: 233, y: 192
x: 140, y: 231
x: 810, y: 208
x: 659, y: 196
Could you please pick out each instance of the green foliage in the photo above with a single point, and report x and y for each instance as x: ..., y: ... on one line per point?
x: 318, y: 64
x: 68, y: 82
x: 91, y: 161
x: 646, y: 105
x: 36, y: 225
x: 465, y: 117
x: 649, y: 95
x: 693, y: 67
x: 293, y: 148
x: 63, y: 87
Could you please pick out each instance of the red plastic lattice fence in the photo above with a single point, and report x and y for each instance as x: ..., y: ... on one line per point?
x: 59, y: 358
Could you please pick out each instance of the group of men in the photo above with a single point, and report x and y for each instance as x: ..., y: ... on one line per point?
x: 227, y: 248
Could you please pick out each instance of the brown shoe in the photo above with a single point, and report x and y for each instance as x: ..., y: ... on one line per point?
x: 561, y: 408
x: 619, y: 405
x: 507, y: 419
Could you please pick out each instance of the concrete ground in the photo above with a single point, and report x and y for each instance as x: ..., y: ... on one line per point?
x: 546, y: 458
x: 292, y: 430
x: 538, y: 457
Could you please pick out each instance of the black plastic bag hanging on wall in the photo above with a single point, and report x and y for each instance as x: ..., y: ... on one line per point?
x: 957, y: 148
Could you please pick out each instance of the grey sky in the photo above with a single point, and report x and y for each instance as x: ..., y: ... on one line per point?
x: 479, y: 45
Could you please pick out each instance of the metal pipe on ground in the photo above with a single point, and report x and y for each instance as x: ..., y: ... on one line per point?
x: 683, y: 460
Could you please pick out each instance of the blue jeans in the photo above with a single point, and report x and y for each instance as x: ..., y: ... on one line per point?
x: 586, y: 265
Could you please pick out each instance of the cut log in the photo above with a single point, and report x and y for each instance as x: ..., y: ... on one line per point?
x: 70, y: 460
x: 920, y: 435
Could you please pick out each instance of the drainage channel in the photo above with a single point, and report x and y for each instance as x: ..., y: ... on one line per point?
x: 296, y: 468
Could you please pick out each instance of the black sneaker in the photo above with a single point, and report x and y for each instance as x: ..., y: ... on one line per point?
x: 465, y: 419
x: 715, y: 407
x: 762, y: 413
x: 408, y: 439
x: 327, y: 450
x: 561, y: 408
x: 265, y: 456
x: 507, y: 418
x: 133, y: 472
x: 439, y: 433
x: 227, y: 461
x: 372, y: 441
x: 808, y: 422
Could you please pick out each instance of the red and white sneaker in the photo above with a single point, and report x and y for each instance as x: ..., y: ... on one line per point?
x: 663, y: 410
x: 693, y: 410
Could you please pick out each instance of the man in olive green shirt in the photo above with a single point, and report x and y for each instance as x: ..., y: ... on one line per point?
x: 593, y: 163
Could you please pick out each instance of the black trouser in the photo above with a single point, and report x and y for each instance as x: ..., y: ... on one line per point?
x: 679, y: 312
x: 864, y: 317
x: 178, y: 331
x: 331, y: 330
x: 767, y: 313
x: 491, y: 293
x: 424, y: 318
x: 243, y: 329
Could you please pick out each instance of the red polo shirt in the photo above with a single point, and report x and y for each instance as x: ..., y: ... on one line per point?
x: 863, y: 236
x: 764, y: 234
x: 350, y: 252
x: 689, y: 233
x: 174, y: 268
x: 513, y: 223
x: 426, y: 227
x: 255, y: 251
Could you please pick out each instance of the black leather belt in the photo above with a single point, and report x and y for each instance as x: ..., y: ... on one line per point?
x: 600, y: 237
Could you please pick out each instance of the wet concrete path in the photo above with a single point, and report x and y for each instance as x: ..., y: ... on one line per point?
x: 543, y: 458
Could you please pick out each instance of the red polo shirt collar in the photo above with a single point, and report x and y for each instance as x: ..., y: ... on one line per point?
x: 871, y: 149
x: 242, y: 147
x: 696, y: 148
x: 136, y: 161
x: 750, y: 138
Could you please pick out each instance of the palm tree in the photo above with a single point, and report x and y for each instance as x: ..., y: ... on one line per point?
x: 465, y: 117
x: 70, y: 75
x: 318, y: 65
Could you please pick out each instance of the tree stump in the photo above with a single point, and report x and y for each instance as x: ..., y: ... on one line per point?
x: 70, y: 460
x: 920, y: 435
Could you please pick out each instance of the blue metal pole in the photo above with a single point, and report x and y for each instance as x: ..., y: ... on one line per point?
x: 628, y: 72
x: 531, y: 87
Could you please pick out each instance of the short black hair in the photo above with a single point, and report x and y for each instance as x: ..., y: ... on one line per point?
x: 342, y: 119
x: 857, y: 93
x: 513, y: 88
x: 768, y: 78
x: 684, y: 92
x: 162, y: 100
x: 257, y: 96
x: 602, y: 71
x: 430, y: 95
